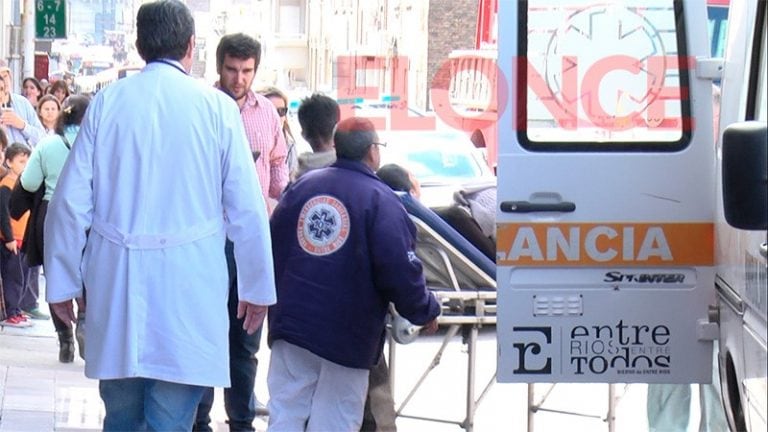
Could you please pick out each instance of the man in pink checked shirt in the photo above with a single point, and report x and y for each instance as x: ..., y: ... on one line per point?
x: 237, y: 59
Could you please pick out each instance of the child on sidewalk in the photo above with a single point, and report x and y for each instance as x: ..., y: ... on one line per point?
x: 13, y: 267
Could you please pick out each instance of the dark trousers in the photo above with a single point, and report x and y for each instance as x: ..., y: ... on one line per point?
x: 379, y: 412
x: 29, y: 301
x: 239, y: 400
x: 15, y: 276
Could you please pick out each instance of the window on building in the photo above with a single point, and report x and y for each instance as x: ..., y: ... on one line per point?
x: 291, y: 17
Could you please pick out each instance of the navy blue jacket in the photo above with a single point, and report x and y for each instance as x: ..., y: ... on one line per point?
x: 343, y: 247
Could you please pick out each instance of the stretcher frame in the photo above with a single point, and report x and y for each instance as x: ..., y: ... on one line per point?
x: 455, y: 303
x: 461, y: 309
x: 614, y: 396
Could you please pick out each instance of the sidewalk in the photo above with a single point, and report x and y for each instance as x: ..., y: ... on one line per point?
x: 39, y: 394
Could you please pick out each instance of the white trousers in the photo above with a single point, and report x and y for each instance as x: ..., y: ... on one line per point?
x: 669, y: 405
x: 309, y: 393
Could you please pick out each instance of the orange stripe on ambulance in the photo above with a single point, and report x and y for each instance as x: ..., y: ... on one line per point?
x: 600, y: 244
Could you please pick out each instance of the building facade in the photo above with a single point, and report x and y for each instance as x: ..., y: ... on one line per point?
x: 385, y: 40
x: 307, y: 45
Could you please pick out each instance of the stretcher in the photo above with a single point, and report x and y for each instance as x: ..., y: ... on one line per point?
x: 464, y: 282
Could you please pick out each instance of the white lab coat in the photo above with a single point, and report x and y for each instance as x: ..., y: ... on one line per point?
x: 159, y: 161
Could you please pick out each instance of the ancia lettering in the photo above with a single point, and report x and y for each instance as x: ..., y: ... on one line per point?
x: 575, y: 245
x: 596, y: 349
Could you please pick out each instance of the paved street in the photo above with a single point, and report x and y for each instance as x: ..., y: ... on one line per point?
x: 40, y: 394
x: 443, y: 394
x: 37, y: 393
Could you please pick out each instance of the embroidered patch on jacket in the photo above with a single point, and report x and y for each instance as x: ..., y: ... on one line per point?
x: 412, y: 256
x: 323, y: 225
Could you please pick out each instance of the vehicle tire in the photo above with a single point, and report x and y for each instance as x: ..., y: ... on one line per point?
x: 734, y: 410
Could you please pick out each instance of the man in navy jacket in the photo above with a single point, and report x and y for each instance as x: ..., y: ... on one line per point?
x: 343, y: 247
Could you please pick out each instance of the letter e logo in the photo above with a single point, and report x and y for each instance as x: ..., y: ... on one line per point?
x: 528, y: 349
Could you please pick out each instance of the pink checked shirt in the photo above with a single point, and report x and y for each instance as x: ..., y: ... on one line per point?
x: 263, y: 129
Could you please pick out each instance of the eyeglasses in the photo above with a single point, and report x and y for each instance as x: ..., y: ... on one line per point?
x: 381, y: 144
x: 282, y: 111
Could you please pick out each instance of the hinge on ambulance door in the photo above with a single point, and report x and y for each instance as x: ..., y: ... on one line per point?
x: 709, y: 328
x: 709, y: 68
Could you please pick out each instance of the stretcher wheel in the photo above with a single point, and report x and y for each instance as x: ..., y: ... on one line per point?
x: 403, y: 332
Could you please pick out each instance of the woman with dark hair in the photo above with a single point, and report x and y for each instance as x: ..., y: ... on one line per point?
x: 280, y: 101
x: 44, y: 167
x: 32, y: 90
x: 60, y: 89
x: 48, y: 109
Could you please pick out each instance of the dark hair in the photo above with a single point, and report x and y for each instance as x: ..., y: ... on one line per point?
x: 353, y: 137
x: 34, y: 81
x: 72, y: 112
x: 318, y: 115
x: 163, y: 30
x: 60, y: 84
x: 396, y: 177
x: 240, y: 46
x: 3, y: 140
x: 16, y: 149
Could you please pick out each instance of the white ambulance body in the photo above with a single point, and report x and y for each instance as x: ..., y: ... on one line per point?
x: 612, y: 231
x: 606, y: 192
x: 741, y: 219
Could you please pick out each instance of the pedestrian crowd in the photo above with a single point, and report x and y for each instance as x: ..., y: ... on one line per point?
x: 187, y: 223
x: 21, y: 129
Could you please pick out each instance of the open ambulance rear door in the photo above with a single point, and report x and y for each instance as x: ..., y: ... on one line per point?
x: 606, y: 192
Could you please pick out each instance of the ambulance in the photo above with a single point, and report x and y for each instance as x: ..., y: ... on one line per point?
x: 631, y: 224
x: 741, y: 220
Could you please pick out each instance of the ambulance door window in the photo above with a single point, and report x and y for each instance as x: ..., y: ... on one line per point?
x: 603, y: 77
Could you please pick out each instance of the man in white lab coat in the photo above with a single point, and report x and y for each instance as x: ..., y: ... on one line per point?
x: 159, y: 174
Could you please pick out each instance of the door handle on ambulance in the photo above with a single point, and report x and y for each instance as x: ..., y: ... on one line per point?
x: 764, y: 250
x: 529, y: 207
